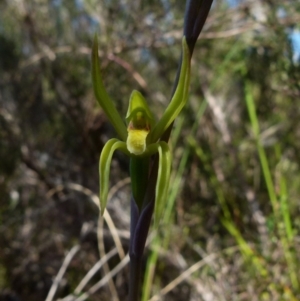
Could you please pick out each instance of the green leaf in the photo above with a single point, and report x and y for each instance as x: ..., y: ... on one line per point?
x: 163, y: 178
x: 104, y: 167
x: 103, y: 98
x: 180, y: 96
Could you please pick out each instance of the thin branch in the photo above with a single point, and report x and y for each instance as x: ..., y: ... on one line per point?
x: 187, y: 273
x: 107, y: 277
x: 61, y: 272
x: 104, y: 280
x: 101, y: 247
x: 95, y: 199
x: 137, y: 76
x: 182, y: 277
x: 94, y: 270
x: 114, y: 234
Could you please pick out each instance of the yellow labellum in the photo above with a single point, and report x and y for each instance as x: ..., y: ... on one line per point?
x: 136, y: 141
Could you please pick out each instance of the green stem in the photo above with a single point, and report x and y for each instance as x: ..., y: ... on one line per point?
x: 139, y: 172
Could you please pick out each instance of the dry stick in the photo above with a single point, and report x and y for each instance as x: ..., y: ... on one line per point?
x: 101, y: 247
x: 137, y: 76
x: 104, y: 280
x: 215, y: 267
x: 61, y: 272
x: 94, y: 270
x: 114, y: 234
x: 107, y: 277
x: 111, y: 226
x: 95, y: 199
x: 116, y: 238
x: 187, y: 273
x: 109, y: 220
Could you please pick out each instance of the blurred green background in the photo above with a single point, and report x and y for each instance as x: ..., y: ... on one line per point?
x: 233, y: 207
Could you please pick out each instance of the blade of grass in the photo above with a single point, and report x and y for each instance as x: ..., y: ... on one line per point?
x: 150, y: 269
x: 260, y: 149
x: 276, y: 206
x: 227, y: 220
x: 283, y: 199
x: 286, y: 234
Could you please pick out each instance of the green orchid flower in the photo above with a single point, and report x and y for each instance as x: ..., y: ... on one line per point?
x: 140, y: 135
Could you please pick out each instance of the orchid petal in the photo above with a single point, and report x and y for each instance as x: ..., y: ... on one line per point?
x: 163, y: 178
x: 104, y: 167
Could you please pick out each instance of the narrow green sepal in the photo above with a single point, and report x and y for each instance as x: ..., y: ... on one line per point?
x: 163, y: 178
x: 180, y: 96
x: 102, y: 96
x: 104, y: 168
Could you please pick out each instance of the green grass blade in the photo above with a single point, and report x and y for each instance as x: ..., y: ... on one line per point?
x: 261, y: 151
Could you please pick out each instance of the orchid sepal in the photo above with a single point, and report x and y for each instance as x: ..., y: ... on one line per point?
x: 180, y: 97
x: 102, y: 96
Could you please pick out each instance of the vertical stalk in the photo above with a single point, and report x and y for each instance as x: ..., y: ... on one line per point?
x: 139, y: 228
x: 135, y: 277
x: 260, y: 149
x: 135, y: 267
x: 283, y: 216
x: 139, y: 172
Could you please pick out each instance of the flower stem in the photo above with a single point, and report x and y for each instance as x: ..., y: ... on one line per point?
x: 135, y: 277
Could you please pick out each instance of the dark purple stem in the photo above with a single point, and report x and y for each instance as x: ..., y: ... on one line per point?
x: 139, y: 232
